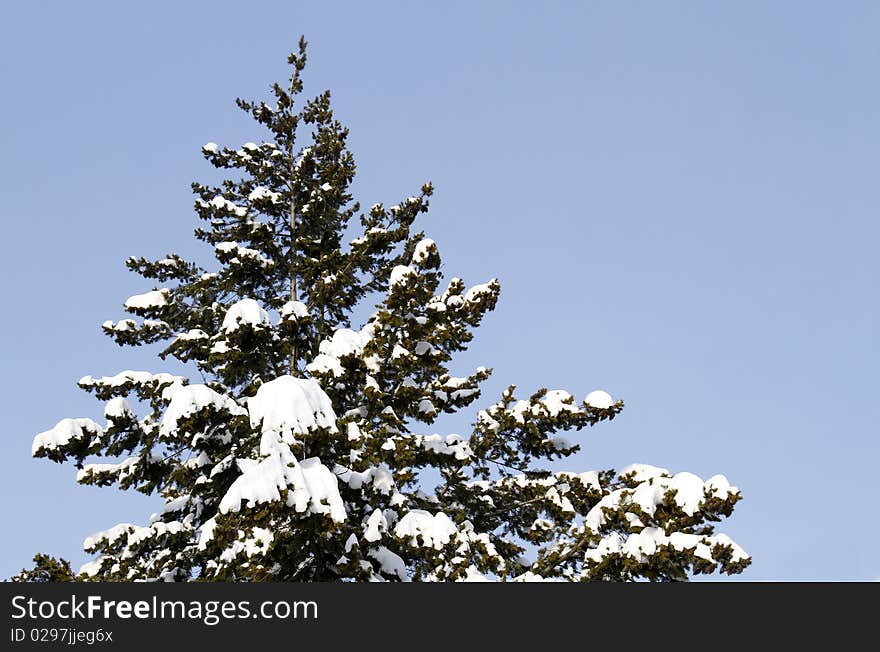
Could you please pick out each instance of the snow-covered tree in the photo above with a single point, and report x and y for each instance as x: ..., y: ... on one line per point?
x: 303, y: 451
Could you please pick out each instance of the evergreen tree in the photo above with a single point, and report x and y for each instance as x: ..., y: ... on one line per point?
x: 46, y: 569
x: 301, y: 454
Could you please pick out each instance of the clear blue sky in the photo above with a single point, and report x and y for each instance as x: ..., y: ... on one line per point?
x: 680, y: 200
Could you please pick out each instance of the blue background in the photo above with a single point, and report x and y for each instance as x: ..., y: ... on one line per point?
x: 679, y: 199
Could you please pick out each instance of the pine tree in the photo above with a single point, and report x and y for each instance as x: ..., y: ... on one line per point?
x: 46, y: 569
x: 301, y: 454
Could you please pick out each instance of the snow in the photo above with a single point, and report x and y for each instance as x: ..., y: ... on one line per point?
x: 187, y: 400
x: 375, y: 525
x: 477, y: 291
x: 399, y: 274
x: 682, y: 541
x: 153, y: 299
x: 454, y: 382
x: 210, y: 147
x: 399, y: 352
x: 262, y: 483
x: 304, y: 154
x: 555, y: 495
x: 609, y: 545
x: 379, y: 476
x: 261, y: 192
x: 119, y: 470
x: 109, y: 536
x: 288, y: 406
x: 251, y: 147
x: 65, y: 432
x: 529, y: 576
x: 389, y: 562
x: 240, y: 253
x: 133, y: 534
x: 207, y: 532
x: 454, y: 445
x: 595, y: 518
x: 91, y: 568
x: 252, y: 546
x: 719, y: 487
x: 473, y: 575
x: 599, y: 399
x: 221, y: 203
x: 436, y: 305
x: 423, y: 250
x: 293, y: 310
x: 199, y: 461
x: 192, y: 335
x: 371, y: 383
x: 245, y: 311
x: 176, y: 504
x: 688, y: 490
x: 553, y: 403
x: 354, y: 433
x: 541, y: 524
x: 117, y: 408
x: 324, y: 364
x: 643, y: 472
x: 220, y: 347
x: 434, y: 530
x: 561, y: 443
x: 648, y: 495
x: 642, y: 545
x: 344, y: 342
x: 486, y: 420
x: 133, y: 378
x: 120, y: 326
x: 311, y: 486
x: 590, y: 479
x: 158, y: 528
x: 738, y: 553
x: 557, y: 401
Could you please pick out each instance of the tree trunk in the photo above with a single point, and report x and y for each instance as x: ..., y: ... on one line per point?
x: 293, y: 352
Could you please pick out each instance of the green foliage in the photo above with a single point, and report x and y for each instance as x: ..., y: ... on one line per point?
x: 46, y: 569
